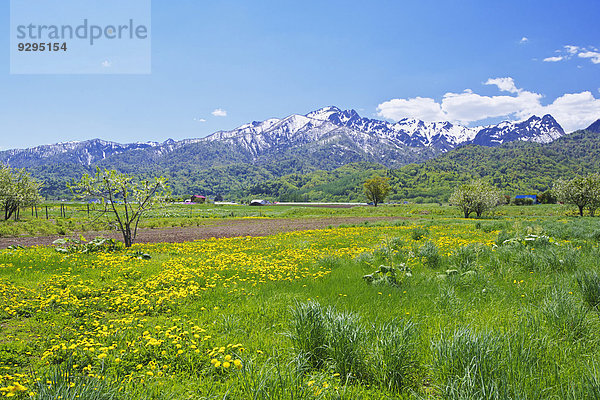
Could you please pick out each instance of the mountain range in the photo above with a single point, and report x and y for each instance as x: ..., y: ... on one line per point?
x: 341, y: 136
x: 324, y: 139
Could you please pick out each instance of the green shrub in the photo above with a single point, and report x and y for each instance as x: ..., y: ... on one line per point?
x: 345, y: 344
x: 468, y: 365
x: 589, y: 283
x: 309, y: 332
x: 327, y: 339
x: 466, y: 258
x: 396, y: 355
x: 430, y: 254
x: 566, y: 315
x: 419, y: 233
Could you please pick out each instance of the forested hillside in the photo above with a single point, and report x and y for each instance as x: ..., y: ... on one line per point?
x: 516, y: 168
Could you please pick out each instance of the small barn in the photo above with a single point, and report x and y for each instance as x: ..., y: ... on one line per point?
x: 198, y: 199
x: 259, y: 202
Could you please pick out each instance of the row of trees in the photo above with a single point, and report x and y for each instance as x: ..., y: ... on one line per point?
x: 127, y: 199
x: 480, y: 197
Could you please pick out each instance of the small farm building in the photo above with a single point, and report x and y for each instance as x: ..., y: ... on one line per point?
x: 259, y: 202
x: 198, y: 199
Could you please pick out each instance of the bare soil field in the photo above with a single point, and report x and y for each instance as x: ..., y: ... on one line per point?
x: 214, y: 229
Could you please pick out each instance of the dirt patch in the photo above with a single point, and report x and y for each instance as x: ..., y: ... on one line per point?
x: 212, y: 229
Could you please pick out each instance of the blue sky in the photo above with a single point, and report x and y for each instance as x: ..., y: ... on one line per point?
x: 244, y: 61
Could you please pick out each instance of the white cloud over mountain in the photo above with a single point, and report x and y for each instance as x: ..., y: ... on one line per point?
x: 572, y: 110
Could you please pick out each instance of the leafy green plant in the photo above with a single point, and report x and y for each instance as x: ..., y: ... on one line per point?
x: 529, y: 240
x: 97, y: 245
x: 139, y: 255
x: 387, y: 275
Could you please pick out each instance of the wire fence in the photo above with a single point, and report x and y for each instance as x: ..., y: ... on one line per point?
x: 174, y: 210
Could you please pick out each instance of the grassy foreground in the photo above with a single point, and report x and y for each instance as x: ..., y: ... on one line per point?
x: 497, y: 309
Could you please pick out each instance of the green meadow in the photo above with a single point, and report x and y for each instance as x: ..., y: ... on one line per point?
x: 433, y: 307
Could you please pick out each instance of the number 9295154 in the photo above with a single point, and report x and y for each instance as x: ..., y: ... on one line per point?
x: 42, y: 46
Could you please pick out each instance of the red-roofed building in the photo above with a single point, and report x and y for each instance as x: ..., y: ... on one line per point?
x: 198, y: 199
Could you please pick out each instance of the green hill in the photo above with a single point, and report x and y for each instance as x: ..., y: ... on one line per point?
x: 516, y: 168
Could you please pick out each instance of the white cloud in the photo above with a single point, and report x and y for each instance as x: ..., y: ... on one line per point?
x: 570, y: 51
x: 199, y: 120
x: 504, y: 84
x: 572, y: 110
x: 471, y: 107
x: 419, y: 107
x: 524, y: 39
x: 554, y: 59
x: 593, y: 55
x: 106, y: 64
x: 219, y: 112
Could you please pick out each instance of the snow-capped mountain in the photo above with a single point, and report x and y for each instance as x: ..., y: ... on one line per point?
x: 411, y: 132
x: 535, y: 129
x: 367, y: 133
x: 371, y: 135
x: 85, y: 152
x: 326, y: 138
